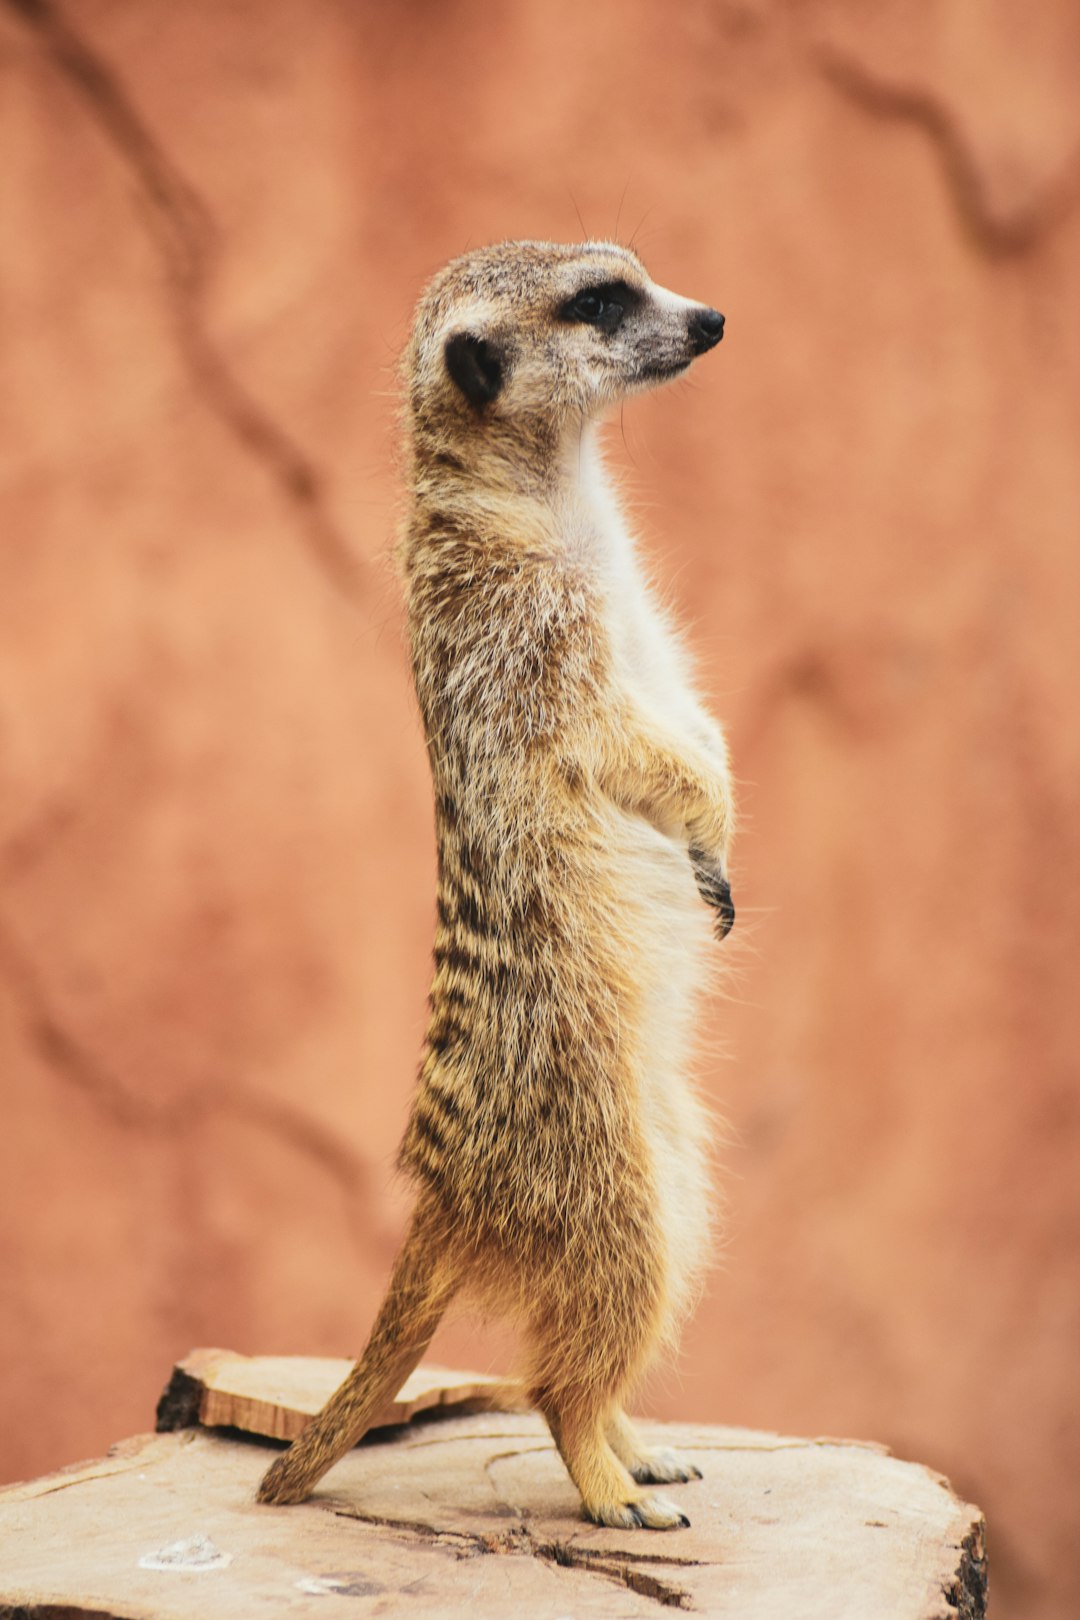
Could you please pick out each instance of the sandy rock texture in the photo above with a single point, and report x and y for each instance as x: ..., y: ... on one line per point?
x: 216, y: 872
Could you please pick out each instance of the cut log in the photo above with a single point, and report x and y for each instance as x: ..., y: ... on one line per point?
x: 276, y: 1395
x: 475, y: 1515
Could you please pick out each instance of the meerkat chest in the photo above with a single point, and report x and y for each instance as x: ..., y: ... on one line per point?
x: 649, y: 660
x: 650, y: 663
x: 645, y: 649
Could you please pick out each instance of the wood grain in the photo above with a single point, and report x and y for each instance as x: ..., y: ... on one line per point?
x: 276, y: 1395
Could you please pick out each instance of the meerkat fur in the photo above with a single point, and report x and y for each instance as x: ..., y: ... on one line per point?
x: 583, y: 811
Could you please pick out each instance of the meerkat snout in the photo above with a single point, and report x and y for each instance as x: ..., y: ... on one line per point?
x: 706, y: 328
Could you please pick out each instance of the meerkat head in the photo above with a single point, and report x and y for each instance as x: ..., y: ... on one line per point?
x: 539, y: 337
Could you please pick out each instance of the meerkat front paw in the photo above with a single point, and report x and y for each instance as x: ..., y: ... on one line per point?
x: 714, y: 888
x: 661, y: 1466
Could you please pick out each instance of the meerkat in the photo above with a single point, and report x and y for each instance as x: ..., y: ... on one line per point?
x: 583, y: 810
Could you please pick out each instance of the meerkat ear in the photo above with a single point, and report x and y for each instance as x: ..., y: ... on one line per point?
x: 476, y: 365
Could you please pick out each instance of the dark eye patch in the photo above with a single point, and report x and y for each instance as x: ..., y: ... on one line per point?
x: 602, y: 306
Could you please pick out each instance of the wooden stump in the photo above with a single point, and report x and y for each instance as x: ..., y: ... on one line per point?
x: 276, y: 1395
x: 473, y: 1513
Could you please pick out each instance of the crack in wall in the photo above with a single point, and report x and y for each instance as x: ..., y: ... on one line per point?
x: 69, y: 1057
x: 620, y: 1568
x: 998, y: 232
x: 181, y: 225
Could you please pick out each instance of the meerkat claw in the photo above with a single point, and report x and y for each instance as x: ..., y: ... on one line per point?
x: 714, y: 889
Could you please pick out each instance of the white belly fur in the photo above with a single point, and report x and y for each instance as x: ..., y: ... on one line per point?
x: 671, y: 941
x: 671, y: 929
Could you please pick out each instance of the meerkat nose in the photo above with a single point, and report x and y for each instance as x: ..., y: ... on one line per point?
x: 706, y: 328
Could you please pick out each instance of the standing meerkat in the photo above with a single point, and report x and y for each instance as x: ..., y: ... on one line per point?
x: 583, y: 810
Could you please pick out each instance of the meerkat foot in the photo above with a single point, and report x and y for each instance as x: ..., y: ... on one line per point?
x: 659, y: 1465
x: 607, y: 1489
x: 643, y: 1513
x: 649, y: 1465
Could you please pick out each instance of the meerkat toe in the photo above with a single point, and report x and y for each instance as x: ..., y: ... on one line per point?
x: 644, y: 1513
x: 657, y: 1513
x: 661, y: 1466
x: 616, y: 1515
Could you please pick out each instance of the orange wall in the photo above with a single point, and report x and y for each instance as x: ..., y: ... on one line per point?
x: 216, y: 870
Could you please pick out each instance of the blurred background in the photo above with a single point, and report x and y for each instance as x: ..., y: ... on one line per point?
x: 216, y: 864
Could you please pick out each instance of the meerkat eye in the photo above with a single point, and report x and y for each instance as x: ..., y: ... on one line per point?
x: 602, y: 307
x: 588, y: 307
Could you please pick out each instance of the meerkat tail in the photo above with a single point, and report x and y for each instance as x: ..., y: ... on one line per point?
x: 421, y: 1287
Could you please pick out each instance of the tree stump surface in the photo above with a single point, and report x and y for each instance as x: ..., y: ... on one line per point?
x: 472, y: 1512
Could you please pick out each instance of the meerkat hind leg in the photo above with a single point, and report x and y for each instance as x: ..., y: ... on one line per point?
x: 649, y: 1465
x: 421, y: 1287
x: 608, y: 1493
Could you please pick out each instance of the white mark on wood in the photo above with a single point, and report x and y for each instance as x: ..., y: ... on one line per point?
x: 349, y: 1584
x: 197, y: 1552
